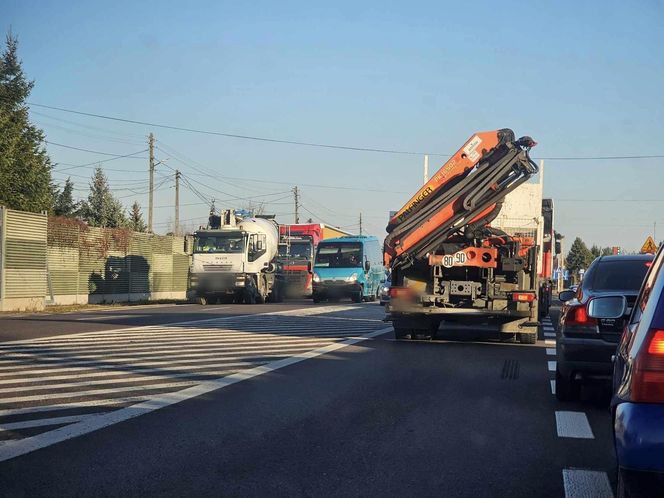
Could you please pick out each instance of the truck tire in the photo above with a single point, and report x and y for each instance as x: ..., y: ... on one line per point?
x: 401, y: 333
x: 527, y: 337
x: 566, y: 388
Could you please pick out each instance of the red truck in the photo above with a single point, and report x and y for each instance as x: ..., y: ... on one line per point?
x: 297, y: 247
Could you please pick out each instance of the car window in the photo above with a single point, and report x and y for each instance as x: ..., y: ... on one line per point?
x: 610, y: 275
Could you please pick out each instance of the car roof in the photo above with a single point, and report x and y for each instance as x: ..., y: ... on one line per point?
x: 627, y: 257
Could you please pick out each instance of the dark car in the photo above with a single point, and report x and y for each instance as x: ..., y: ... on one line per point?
x: 586, y: 345
x: 638, y: 384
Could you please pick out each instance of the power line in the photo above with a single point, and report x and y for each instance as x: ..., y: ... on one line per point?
x: 117, y: 156
x: 92, y: 164
x: 323, y: 145
x: 234, y: 135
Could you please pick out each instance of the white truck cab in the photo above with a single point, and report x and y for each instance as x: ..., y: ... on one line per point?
x: 234, y: 259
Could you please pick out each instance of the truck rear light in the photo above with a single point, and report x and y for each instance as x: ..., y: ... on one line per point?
x: 400, y: 292
x: 647, y: 383
x: 523, y: 297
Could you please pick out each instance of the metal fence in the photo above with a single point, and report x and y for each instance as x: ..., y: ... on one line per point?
x: 22, y: 260
x: 63, y: 261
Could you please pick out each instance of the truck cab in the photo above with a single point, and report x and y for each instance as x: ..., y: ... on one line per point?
x: 296, y: 255
x: 349, y: 267
x: 235, y: 260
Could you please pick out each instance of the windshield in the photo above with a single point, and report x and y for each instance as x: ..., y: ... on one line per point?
x: 619, y: 275
x: 340, y: 255
x: 299, y: 250
x: 227, y: 243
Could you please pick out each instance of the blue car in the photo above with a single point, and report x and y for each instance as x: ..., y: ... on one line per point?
x: 638, y: 383
x: 348, y: 267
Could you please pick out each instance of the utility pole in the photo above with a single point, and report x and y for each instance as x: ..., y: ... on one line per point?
x: 151, y: 188
x: 426, y: 168
x: 360, y: 223
x: 296, y: 198
x: 177, y: 202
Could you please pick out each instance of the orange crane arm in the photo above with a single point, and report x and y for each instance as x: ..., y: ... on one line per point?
x: 466, y: 191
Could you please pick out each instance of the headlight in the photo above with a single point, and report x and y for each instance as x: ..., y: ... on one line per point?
x: 352, y: 278
x: 316, y: 277
x: 386, y: 289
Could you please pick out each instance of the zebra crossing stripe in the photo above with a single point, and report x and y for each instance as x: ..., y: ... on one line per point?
x: 13, y: 448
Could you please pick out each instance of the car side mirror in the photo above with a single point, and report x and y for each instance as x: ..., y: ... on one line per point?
x: 367, y: 266
x: 607, y: 307
x: 566, y: 295
x: 309, y: 267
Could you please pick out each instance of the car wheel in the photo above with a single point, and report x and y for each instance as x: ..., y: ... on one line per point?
x: 202, y: 300
x: 357, y: 297
x: 566, y: 388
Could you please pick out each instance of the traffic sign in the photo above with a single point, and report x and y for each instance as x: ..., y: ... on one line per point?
x: 649, y: 246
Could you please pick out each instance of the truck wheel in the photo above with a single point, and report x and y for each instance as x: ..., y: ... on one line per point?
x: 566, y: 388
x: 401, y: 333
x: 249, y: 296
x: 527, y: 337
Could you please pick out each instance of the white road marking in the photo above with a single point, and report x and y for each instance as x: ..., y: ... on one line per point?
x: 96, y: 392
x: 72, y: 405
x: 573, y: 425
x: 127, y: 357
x: 26, y: 424
x: 551, y: 351
x: 553, y: 386
x: 552, y: 366
x: 104, y: 317
x: 120, y: 331
x: 139, y: 366
x: 549, y: 334
x: 13, y: 448
x: 579, y: 483
x: 244, y: 343
x: 111, y: 370
x: 549, y: 342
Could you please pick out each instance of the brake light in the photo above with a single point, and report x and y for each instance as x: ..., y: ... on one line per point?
x: 396, y: 292
x: 647, y: 384
x: 577, y: 316
x: 648, y: 264
x: 523, y: 297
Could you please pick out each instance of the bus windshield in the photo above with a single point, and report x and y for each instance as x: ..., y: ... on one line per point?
x: 227, y: 243
x: 339, y: 255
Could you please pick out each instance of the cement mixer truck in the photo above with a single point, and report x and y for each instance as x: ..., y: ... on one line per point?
x: 234, y: 260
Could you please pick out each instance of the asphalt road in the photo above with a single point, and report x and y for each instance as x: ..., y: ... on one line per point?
x: 285, y: 400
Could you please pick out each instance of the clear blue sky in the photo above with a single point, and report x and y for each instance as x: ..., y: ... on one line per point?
x: 582, y: 78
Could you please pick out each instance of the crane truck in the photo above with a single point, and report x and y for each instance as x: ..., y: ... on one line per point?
x: 448, y: 263
x: 234, y: 259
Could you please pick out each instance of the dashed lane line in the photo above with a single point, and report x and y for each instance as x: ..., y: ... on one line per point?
x: 573, y: 425
x: 553, y: 386
x: 13, y: 448
x: 551, y: 365
x: 549, y: 342
x: 580, y: 483
x: 551, y: 351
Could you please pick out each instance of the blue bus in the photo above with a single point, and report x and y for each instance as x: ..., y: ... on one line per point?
x: 350, y: 266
